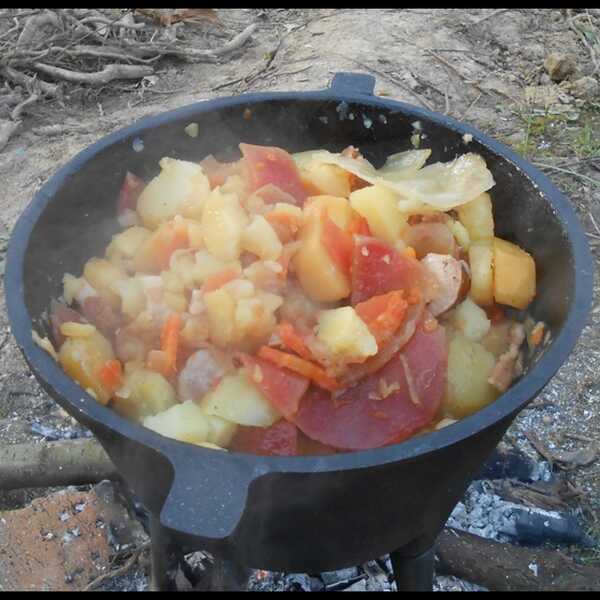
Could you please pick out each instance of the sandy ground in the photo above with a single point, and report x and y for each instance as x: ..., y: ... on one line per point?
x: 450, y: 60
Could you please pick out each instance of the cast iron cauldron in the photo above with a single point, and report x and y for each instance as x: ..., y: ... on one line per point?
x: 298, y: 514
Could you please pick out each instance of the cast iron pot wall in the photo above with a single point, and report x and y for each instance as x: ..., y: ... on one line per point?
x: 300, y: 513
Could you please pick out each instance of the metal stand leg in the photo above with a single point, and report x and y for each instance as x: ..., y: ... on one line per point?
x: 160, y: 556
x: 413, y: 573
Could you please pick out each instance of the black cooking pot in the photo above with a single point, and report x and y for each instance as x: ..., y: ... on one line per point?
x: 299, y: 513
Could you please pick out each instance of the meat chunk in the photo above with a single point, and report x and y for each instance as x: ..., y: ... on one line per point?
x: 452, y: 279
x: 201, y: 371
x: 509, y: 364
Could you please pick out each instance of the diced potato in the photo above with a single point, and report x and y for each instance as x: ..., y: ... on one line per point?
x: 236, y: 184
x: 102, y: 275
x: 481, y: 257
x: 194, y: 333
x: 223, y: 222
x: 338, y: 209
x: 155, y: 252
x: 175, y: 301
x: 240, y: 288
x: 183, y: 264
x: 124, y: 245
x: 131, y: 292
x: 260, y: 238
x: 144, y: 393
x: 271, y: 301
x: 221, y: 431
x: 238, y: 400
x: 346, y: 335
x: 172, y: 282
x: 295, y: 212
x: 187, y: 422
x: 379, y: 206
x: 184, y: 422
x: 469, y: 366
x: 460, y: 233
x: 254, y: 322
x: 195, y: 234
x: 471, y: 320
x: 207, y: 265
x: 321, y: 178
x: 82, y: 358
x: 477, y: 217
x: 514, y: 275
x: 220, y: 308
x: 320, y: 277
x: 181, y: 188
x: 77, y: 330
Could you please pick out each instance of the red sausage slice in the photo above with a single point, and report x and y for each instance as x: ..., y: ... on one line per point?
x: 386, y: 407
x: 268, y: 164
x: 280, y: 439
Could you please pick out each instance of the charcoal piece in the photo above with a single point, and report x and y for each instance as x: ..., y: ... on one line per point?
x: 507, y: 463
x: 331, y: 577
x: 534, y: 529
x: 347, y: 583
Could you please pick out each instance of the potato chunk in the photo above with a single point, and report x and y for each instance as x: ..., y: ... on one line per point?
x: 145, y: 393
x: 238, y: 400
x: 181, y: 188
x: 82, y: 358
x: 102, y: 276
x: 338, y: 209
x: 514, y: 275
x: 260, y: 238
x: 124, y: 245
x: 223, y: 222
x: 207, y: 265
x: 471, y: 320
x: 187, y: 422
x: 346, y: 335
x: 379, y: 206
x: 469, y: 366
x: 320, y: 277
x: 326, y: 179
x: 481, y: 256
x: 477, y: 217
x: 220, y: 308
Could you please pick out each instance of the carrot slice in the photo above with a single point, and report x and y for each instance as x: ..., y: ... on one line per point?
x: 111, y: 376
x: 383, y: 314
x: 169, y: 342
x: 293, y: 340
x: 214, y: 282
x: 299, y: 365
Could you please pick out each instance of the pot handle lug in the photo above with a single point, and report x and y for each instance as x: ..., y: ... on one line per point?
x: 208, y: 494
x: 355, y: 83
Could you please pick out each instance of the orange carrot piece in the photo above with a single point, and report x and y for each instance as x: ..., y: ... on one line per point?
x: 410, y: 252
x: 383, y: 314
x: 169, y: 341
x: 111, y: 375
x: 293, y: 340
x: 299, y: 365
x: 214, y: 282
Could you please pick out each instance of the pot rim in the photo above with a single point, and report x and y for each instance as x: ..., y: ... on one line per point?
x: 67, y: 391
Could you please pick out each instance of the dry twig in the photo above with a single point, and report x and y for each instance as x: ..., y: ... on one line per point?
x: 120, y: 571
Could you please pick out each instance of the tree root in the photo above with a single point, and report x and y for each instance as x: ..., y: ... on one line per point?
x: 7, y: 128
x: 97, y: 79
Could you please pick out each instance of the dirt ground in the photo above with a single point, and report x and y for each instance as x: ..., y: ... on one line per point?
x: 482, y: 66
